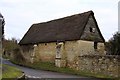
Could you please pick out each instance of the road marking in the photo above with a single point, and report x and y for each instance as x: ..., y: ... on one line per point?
x: 28, y: 76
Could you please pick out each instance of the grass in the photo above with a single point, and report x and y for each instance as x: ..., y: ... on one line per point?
x: 10, y: 72
x: 0, y: 71
x: 51, y: 67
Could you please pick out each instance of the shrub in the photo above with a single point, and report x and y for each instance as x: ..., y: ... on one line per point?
x: 113, y: 45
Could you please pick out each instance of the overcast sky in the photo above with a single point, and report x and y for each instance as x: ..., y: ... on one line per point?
x: 21, y: 14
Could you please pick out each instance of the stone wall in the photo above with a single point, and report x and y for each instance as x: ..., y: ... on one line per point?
x: 45, y: 52
x: 78, y: 55
x: 69, y: 51
x: 39, y: 52
x: 79, y: 48
x: 106, y: 65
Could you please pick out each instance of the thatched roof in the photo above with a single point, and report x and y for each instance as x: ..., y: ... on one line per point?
x: 63, y: 29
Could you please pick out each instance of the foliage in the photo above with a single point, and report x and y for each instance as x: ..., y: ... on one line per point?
x: 9, y: 45
x: 113, y: 45
x: 12, y: 50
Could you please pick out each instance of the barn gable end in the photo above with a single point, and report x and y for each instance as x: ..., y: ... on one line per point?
x: 91, y: 31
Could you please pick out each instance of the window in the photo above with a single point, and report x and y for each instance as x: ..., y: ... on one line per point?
x: 95, y: 45
x: 90, y: 29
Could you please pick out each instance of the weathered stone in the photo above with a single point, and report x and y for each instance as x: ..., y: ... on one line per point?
x: 93, y: 36
x: 106, y: 65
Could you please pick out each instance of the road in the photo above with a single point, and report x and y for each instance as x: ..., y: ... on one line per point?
x: 33, y: 73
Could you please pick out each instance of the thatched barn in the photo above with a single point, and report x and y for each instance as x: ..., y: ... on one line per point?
x: 63, y: 40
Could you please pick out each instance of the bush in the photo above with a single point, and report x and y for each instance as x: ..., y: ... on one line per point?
x: 12, y: 50
x: 113, y: 45
x: 9, y: 45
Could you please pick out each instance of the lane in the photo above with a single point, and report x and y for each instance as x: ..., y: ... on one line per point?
x: 40, y: 73
x: 33, y: 73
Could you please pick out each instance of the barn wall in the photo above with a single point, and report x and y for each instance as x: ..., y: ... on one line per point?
x: 70, y: 51
x: 45, y: 52
x: 78, y: 48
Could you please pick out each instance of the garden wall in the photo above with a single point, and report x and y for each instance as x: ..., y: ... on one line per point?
x: 108, y: 65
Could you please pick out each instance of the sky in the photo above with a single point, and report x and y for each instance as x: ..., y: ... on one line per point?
x: 21, y: 14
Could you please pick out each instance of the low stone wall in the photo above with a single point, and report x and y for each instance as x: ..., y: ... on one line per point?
x: 108, y: 65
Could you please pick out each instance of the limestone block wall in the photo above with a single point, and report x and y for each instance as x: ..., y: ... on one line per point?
x: 45, y: 52
x: 101, y: 49
x: 69, y: 52
x: 74, y: 49
x: 39, y: 52
x: 106, y: 65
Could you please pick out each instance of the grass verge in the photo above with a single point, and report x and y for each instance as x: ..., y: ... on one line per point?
x: 51, y: 67
x: 9, y: 72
